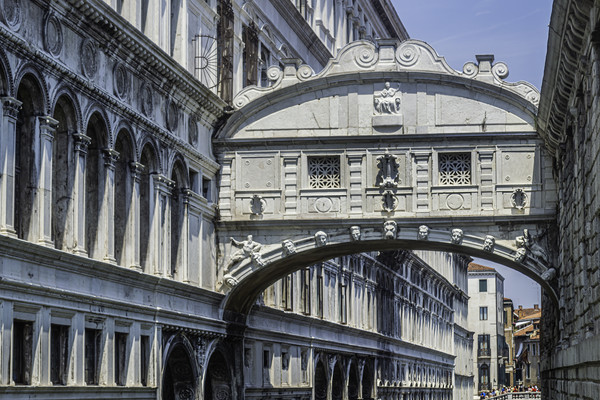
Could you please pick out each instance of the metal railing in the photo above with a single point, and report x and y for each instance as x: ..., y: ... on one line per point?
x: 517, y: 396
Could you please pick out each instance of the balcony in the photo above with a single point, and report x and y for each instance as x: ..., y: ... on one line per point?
x: 484, y: 352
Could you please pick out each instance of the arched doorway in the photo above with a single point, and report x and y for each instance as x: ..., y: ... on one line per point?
x: 337, y: 383
x: 320, y: 385
x: 353, y: 382
x: 218, y: 381
x: 367, y: 383
x: 179, y: 377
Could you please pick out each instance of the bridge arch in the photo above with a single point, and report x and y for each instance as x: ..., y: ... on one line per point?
x: 391, y: 140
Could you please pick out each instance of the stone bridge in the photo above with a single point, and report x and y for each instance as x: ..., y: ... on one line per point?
x: 388, y: 147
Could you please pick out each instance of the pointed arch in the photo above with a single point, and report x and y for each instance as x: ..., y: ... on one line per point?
x: 179, y: 371
x: 353, y: 380
x: 218, y: 380
x: 367, y: 382
x: 320, y: 379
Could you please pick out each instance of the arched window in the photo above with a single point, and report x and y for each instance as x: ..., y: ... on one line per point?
x: 179, y: 380
x: 320, y: 382
x: 353, y: 382
x: 150, y: 168
x: 94, y: 184
x: 218, y: 381
x: 178, y: 177
x: 63, y: 174
x: 31, y: 95
x: 123, y: 218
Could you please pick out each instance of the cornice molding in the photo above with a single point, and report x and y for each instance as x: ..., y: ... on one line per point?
x: 569, y: 25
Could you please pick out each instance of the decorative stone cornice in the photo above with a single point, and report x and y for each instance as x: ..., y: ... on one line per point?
x: 387, y: 56
x: 569, y: 22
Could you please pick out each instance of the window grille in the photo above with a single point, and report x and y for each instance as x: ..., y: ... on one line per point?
x: 324, y: 172
x: 455, y: 169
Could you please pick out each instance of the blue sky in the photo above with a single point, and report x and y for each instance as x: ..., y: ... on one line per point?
x: 515, y: 31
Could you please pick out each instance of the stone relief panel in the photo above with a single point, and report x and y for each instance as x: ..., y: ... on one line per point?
x: 53, y: 35
x: 324, y: 204
x: 89, y: 58
x: 257, y: 172
x: 12, y: 11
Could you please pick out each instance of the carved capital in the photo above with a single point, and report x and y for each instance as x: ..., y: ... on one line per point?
x: 136, y: 170
x: 110, y: 158
x: 81, y: 142
x: 47, y: 126
x: 11, y: 107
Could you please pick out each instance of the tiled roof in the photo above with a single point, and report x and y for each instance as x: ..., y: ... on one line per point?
x: 528, y: 313
x: 523, y: 332
x: 479, y: 268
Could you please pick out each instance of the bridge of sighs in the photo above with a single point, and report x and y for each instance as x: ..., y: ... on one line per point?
x: 388, y: 147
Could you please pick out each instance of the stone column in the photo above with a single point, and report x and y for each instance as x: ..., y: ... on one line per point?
x: 10, y: 110
x: 106, y: 229
x: 81, y: 144
x: 47, y: 127
x: 132, y: 237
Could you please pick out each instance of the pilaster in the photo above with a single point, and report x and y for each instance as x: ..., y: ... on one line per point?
x: 355, y: 164
x: 10, y: 110
x: 290, y: 184
x: 422, y: 188
x: 486, y: 176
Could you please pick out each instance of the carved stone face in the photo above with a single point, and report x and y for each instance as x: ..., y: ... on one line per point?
x: 423, y: 232
x: 230, y: 280
x: 488, y: 243
x: 521, y: 254
x: 288, y: 247
x: 389, y: 229
x: 320, y: 239
x: 457, y: 236
x: 355, y: 232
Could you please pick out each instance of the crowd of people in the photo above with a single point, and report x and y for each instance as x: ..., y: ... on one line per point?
x: 507, y: 389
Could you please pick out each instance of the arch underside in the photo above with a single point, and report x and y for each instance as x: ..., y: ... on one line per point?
x: 245, y: 280
x: 385, y: 136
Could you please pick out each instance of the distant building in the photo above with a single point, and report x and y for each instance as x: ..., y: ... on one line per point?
x: 527, y: 345
x: 486, y: 320
x: 509, y: 326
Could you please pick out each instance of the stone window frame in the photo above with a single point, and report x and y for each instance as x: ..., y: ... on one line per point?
x: 122, y: 328
x: 26, y: 314
x: 435, y: 166
x: 305, y: 159
x: 95, y: 323
x: 62, y: 318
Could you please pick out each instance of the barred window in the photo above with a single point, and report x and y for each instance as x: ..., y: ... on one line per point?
x: 455, y: 169
x: 324, y: 172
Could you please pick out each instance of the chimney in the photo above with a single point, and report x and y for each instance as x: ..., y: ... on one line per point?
x: 536, y: 306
